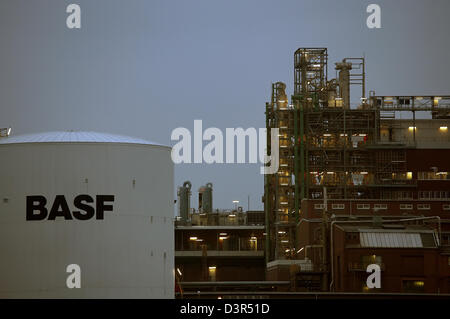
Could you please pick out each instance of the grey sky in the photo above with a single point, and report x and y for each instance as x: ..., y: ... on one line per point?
x: 143, y: 68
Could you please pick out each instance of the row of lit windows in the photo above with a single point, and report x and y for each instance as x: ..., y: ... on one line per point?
x: 433, y: 175
x: 402, y: 195
x: 441, y: 128
x: 358, y: 206
x: 433, y: 195
x: 381, y: 206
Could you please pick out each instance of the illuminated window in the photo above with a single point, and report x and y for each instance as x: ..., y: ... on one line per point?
x: 433, y: 175
x: 380, y: 206
x: 212, y: 273
x: 413, y: 286
x: 401, y: 176
x: 423, y: 206
x: 363, y: 206
x: 424, y: 195
x: 406, y: 206
x: 436, y: 100
x: 402, y: 195
x: 318, y: 206
x: 371, y: 259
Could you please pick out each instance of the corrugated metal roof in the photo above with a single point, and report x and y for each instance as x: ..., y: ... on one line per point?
x: 74, y: 137
x: 391, y: 240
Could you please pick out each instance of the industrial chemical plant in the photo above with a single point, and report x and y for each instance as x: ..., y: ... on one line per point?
x: 362, y: 181
x: 359, y: 184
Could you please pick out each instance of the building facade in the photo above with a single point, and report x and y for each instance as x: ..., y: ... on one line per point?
x: 381, y: 159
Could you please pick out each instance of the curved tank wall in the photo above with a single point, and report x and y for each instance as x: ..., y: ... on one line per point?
x: 127, y: 254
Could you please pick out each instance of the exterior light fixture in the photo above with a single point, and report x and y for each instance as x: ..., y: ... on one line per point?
x: 5, y: 132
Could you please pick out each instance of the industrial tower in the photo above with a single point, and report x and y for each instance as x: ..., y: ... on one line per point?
x: 325, y: 145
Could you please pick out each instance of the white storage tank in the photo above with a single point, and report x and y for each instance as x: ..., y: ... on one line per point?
x: 100, y: 201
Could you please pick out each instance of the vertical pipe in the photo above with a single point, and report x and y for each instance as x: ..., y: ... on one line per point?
x: 324, y: 240
x: 296, y: 177
x: 266, y: 219
x: 345, y: 156
x: 302, y: 153
x: 267, y: 198
x: 364, y: 77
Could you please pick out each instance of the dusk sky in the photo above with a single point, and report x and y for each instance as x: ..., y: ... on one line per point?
x: 144, y: 68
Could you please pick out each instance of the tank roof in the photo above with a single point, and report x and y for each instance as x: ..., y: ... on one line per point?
x: 74, y: 137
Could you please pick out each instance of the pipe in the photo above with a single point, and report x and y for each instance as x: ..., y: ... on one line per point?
x: 266, y: 190
x: 296, y: 176
x: 387, y: 221
x: 302, y: 155
x: 310, y: 246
